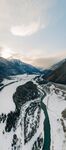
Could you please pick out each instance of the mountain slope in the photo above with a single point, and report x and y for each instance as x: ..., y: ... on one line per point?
x: 57, y: 73
x: 14, y: 67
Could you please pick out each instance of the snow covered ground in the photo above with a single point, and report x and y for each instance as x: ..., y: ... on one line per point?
x: 6, y: 99
x: 7, y: 105
x: 56, y: 103
x: 7, y: 138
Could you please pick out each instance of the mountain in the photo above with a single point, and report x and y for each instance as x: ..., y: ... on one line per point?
x: 57, y: 73
x: 32, y: 116
x: 15, y: 67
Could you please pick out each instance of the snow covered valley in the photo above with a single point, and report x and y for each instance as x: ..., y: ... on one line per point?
x: 55, y: 101
x: 32, y: 116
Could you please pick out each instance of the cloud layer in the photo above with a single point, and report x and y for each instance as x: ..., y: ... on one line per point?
x: 24, y: 17
x: 32, y: 15
x: 25, y: 30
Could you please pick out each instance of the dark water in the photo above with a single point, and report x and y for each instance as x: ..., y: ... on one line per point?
x: 47, y: 136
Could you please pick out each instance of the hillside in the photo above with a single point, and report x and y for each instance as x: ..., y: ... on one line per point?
x: 15, y: 67
x: 57, y: 73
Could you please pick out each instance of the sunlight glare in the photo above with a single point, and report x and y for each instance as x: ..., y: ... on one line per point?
x: 6, y: 53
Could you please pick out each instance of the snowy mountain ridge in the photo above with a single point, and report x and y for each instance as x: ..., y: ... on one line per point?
x: 15, y: 67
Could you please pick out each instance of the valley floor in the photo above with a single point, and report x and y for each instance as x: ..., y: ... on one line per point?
x: 31, y: 125
x: 56, y: 104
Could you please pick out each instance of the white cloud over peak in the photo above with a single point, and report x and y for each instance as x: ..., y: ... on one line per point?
x: 26, y: 30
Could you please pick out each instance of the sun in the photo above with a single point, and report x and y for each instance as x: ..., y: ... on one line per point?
x: 6, y: 53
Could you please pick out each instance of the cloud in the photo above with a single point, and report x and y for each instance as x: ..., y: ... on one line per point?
x: 28, y: 16
x: 25, y: 30
x: 23, y: 17
x: 45, y: 62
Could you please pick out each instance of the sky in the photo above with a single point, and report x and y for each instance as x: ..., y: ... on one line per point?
x: 33, y: 31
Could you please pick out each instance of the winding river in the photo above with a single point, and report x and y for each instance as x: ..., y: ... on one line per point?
x: 47, y: 135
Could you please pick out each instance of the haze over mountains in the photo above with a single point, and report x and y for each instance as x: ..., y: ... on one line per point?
x: 15, y: 67
x: 56, y: 73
